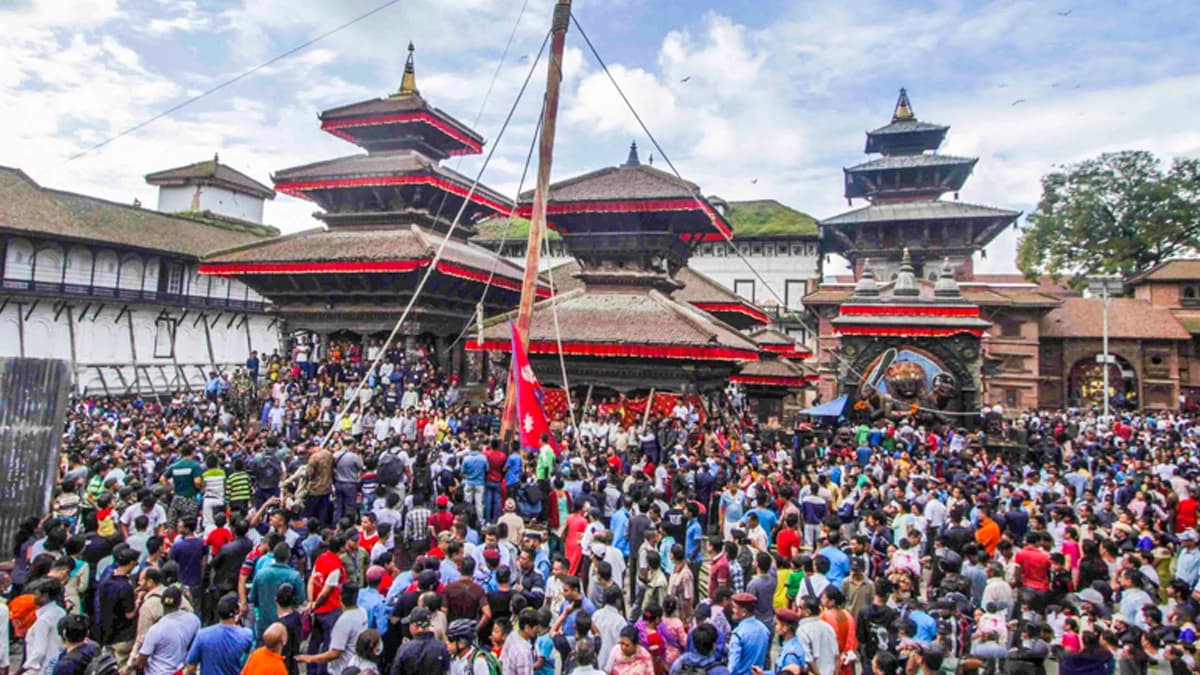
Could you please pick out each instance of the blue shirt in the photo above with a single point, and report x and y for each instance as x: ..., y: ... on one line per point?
x: 568, y: 627
x: 544, y: 648
x: 221, y: 649
x: 371, y: 601
x: 766, y: 518
x: 839, y: 565
x: 749, y: 646
x: 926, y: 626
x: 474, y: 468
x: 692, y: 549
x: 512, y: 469
x: 620, y: 528
x: 790, y: 654
x: 448, y: 571
x: 188, y: 553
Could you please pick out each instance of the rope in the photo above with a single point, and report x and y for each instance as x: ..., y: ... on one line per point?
x: 353, y: 398
x: 562, y: 363
x: 504, y: 237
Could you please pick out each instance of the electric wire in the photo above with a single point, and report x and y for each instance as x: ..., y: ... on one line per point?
x: 233, y: 80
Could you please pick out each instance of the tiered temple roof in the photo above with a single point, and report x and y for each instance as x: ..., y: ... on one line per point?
x: 628, y: 228
x: 903, y: 187
x: 386, y: 211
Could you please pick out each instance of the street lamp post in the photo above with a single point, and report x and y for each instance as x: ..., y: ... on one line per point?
x: 1106, y: 285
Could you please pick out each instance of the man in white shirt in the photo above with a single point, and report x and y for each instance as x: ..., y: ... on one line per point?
x: 819, y: 639
x: 608, y: 621
x: 148, y: 507
x: 42, y: 642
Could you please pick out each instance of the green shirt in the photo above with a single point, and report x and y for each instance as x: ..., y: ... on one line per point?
x: 545, y: 463
x: 183, y: 477
x: 95, y: 488
x: 238, y: 487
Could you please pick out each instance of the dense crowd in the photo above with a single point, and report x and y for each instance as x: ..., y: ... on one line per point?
x: 286, y: 518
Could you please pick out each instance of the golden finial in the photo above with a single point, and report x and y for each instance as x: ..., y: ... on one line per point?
x: 408, y: 84
x: 904, y: 111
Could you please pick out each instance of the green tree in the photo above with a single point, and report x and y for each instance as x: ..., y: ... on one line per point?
x: 1117, y: 214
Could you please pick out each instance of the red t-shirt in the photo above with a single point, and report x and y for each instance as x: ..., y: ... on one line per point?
x: 367, y: 543
x: 496, y: 461
x: 787, y: 541
x: 1035, y: 568
x: 1185, y: 515
x: 327, y: 563
x: 218, y: 538
x: 441, y: 521
x: 614, y: 462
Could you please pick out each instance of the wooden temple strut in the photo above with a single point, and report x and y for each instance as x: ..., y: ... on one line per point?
x: 537, y: 220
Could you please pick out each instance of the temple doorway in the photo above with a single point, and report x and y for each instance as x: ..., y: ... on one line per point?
x: 1085, y: 385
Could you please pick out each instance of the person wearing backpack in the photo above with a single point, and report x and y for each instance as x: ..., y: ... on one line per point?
x: 702, y: 658
x: 391, y: 468
x: 78, y: 651
x: 466, y: 658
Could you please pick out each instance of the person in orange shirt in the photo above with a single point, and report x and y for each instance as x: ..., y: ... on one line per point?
x: 843, y: 626
x: 988, y: 534
x: 268, y: 659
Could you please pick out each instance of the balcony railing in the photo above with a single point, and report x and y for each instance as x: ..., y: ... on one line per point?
x: 49, y: 288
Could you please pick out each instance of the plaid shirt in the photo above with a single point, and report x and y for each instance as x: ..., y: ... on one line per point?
x: 736, y: 578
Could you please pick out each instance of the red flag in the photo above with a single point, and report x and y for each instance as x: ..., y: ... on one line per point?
x: 531, y: 415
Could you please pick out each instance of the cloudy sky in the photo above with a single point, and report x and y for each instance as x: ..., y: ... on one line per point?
x: 765, y: 99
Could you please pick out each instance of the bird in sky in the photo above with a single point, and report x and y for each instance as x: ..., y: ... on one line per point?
x: 686, y: 78
x: 1065, y: 13
x: 1018, y: 101
x: 754, y: 181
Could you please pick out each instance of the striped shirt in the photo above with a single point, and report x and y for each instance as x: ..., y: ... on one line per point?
x: 238, y: 487
x: 214, y: 484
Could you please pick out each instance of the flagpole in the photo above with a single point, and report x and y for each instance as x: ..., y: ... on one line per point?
x: 537, y: 219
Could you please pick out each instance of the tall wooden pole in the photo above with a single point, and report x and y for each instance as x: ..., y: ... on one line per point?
x: 537, y: 220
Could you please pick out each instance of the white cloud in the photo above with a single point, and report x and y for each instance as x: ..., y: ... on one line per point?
x: 772, y: 110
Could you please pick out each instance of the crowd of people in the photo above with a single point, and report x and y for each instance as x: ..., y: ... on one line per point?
x: 287, y: 518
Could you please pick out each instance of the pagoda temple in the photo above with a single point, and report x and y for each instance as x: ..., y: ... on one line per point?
x: 903, y: 188
x: 386, y: 213
x: 630, y: 229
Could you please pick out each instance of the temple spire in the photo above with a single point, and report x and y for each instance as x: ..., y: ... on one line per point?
x: 904, y: 111
x: 408, y: 85
x: 946, y: 286
x: 906, y: 281
x: 866, y: 286
x: 632, y: 160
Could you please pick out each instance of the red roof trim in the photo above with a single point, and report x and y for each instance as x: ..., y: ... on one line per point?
x: 733, y: 307
x: 774, y: 380
x: 299, y: 187
x: 334, y: 126
x: 621, y: 350
x: 339, y: 267
x: 636, y: 206
x: 453, y: 270
x: 907, y: 310
x: 909, y: 331
x: 787, y: 350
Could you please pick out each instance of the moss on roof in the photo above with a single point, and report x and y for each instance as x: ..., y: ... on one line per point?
x: 767, y: 217
x: 512, y: 229
x: 757, y: 218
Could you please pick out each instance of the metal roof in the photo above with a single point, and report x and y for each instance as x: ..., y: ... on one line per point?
x: 910, y: 161
x: 919, y: 210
